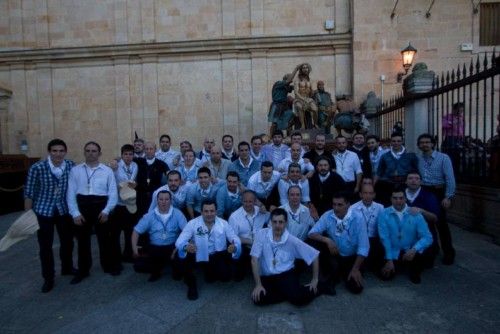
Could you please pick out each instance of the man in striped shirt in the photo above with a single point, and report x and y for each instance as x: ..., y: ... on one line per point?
x: 45, y: 193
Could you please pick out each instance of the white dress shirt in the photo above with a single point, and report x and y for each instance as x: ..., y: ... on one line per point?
x: 299, y: 221
x: 348, y: 165
x: 168, y: 157
x: 305, y: 167
x: 246, y: 225
x: 261, y: 188
x: 283, y: 186
x: 370, y: 215
x: 178, y: 198
x: 125, y: 173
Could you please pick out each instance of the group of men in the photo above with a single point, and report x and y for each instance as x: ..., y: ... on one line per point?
x: 267, y: 208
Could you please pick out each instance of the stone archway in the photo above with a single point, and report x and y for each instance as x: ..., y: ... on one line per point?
x: 5, y: 95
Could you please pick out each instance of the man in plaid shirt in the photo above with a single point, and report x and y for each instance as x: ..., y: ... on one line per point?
x: 45, y: 193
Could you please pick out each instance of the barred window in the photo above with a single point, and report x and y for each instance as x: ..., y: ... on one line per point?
x: 489, y: 24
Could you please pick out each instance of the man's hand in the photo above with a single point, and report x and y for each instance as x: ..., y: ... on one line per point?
x: 79, y: 220
x: 409, y: 255
x: 113, y: 164
x: 103, y: 217
x: 446, y: 203
x: 257, y: 291
x: 355, y: 274
x: 172, y: 256
x: 231, y: 248
x: 414, y: 210
x: 191, y: 248
x: 388, y: 269
x: 132, y: 184
x: 313, y: 285
x: 314, y: 212
x: 332, y: 247
x: 135, y: 252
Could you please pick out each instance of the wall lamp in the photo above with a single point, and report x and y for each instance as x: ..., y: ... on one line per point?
x: 407, y: 53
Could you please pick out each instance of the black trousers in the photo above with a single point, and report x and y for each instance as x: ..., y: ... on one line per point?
x: 442, y: 225
x: 45, y: 234
x: 160, y: 256
x: 375, y: 259
x: 414, y: 267
x: 122, y: 220
x: 218, y: 268
x: 336, y: 268
x: 90, y: 207
x: 242, y: 265
x: 285, y: 287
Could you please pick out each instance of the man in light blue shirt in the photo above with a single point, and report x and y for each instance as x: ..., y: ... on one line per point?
x: 245, y: 165
x: 163, y: 224
x: 344, y: 249
x: 200, y: 191
x: 228, y: 197
x: 405, y: 236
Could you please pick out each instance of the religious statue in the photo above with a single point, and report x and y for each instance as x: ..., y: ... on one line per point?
x: 304, y: 105
x: 371, y: 105
x: 281, y: 111
x: 349, y: 118
x: 325, y: 105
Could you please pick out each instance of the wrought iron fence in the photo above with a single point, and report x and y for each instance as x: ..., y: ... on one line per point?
x: 463, y: 108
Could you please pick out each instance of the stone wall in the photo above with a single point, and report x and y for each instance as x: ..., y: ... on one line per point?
x: 101, y: 70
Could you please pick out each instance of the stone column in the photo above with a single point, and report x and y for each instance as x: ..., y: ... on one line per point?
x: 5, y: 95
x: 416, y: 111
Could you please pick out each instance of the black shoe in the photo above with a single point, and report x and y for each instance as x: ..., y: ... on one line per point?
x: 47, y: 286
x: 154, y: 277
x: 415, y: 278
x: 449, y: 258
x: 192, y: 292
x: 326, y: 289
x: 69, y: 272
x: 127, y: 258
x: 78, y: 278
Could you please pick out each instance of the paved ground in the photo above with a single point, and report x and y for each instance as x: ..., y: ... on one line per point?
x: 464, y: 298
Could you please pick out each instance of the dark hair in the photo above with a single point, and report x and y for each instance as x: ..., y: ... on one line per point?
x: 358, y: 134
x: 248, y: 191
x: 277, y: 133
x: 55, y: 142
x: 294, y: 187
x: 279, y: 212
x: 458, y: 105
x: 208, y: 202
x: 93, y: 143
x: 294, y: 165
x: 228, y: 136
x: 377, y: 139
x: 163, y: 192
x: 254, y: 138
x: 138, y: 140
x: 190, y: 150
x: 414, y: 171
x: 398, y: 189
x: 340, y: 137
x: 396, y: 134
x: 204, y: 170
x: 233, y: 174
x: 345, y: 195
x: 127, y: 148
x: 174, y: 172
x: 243, y: 143
x: 321, y: 158
x: 266, y: 163
x: 165, y: 136
x: 295, y: 134
x: 186, y: 142
x: 426, y: 136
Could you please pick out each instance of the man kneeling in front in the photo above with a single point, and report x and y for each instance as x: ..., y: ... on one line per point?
x: 273, y: 255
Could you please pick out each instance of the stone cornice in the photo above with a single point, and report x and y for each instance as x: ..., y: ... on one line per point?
x: 338, y: 43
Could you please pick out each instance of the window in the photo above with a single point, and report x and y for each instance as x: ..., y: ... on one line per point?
x: 489, y: 24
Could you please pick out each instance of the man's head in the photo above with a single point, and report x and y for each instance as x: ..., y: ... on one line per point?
x: 227, y: 142
x: 266, y: 170
x: 295, y: 150
x: 256, y: 143
x: 396, y: 142
x: 184, y: 146
x: 163, y: 200
x: 216, y: 154
x: 296, y: 137
x: 294, y: 172
x: 367, y: 180
x: 398, y: 198
x: 204, y: 175
x: 425, y: 143
x: 92, y: 152
x: 358, y: 140
x: 320, y: 142
x: 189, y: 158
x: 138, y: 146
x: 458, y: 108
x: 244, y: 150
x: 277, y: 137
x: 372, y: 142
x: 321, y: 86
x: 323, y: 166
x: 279, y: 221
x: 367, y: 193
x: 174, y: 180
x: 232, y: 181
x: 127, y: 153
x: 340, y: 204
x: 209, y: 211
x: 208, y: 143
x: 248, y: 200
x: 57, y: 150
x: 341, y: 143
x: 149, y: 149
x: 413, y: 181
x: 294, y: 196
x: 165, y: 143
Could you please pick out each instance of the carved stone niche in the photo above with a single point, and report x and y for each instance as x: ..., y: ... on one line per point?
x: 5, y: 96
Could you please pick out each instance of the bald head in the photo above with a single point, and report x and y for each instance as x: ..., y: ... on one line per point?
x: 149, y: 149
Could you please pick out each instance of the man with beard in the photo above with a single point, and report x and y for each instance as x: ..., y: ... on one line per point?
x: 359, y: 147
x: 228, y: 149
x: 165, y: 153
x: 245, y: 165
x: 228, y: 196
x: 348, y: 165
x: 200, y: 191
x: 177, y: 190
x: 319, y: 151
x: 275, y: 151
x: 264, y: 184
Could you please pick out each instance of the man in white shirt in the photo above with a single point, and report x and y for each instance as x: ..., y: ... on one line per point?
x: 246, y: 222
x: 209, y: 241
x: 165, y: 153
x: 299, y: 217
x: 264, y: 184
x: 204, y: 154
x: 274, y: 252
x: 348, y: 165
x: 294, y: 178
x: 176, y: 188
x: 306, y: 166
x: 295, y: 138
x: 92, y: 195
